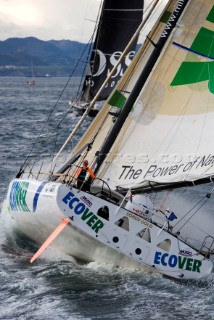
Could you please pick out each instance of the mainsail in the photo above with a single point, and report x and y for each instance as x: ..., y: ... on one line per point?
x: 118, y: 22
x: 168, y: 135
x: 105, y: 119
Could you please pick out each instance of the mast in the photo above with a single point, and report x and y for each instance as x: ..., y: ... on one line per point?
x: 174, y: 17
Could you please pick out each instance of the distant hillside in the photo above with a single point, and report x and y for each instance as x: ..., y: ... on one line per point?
x: 27, y: 56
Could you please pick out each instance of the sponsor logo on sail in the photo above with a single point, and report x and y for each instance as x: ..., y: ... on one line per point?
x: 155, y: 170
x: 200, y: 162
x: 105, y: 64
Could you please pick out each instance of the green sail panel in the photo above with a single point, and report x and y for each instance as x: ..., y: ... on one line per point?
x: 210, y: 16
x: 195, y: 72
x: 117, y: 100
x: 203, y: 43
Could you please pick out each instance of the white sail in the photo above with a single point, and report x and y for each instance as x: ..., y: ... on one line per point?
x: 104, y: 121
x: 168, y: 136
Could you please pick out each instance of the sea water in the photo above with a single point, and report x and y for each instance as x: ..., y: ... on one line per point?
x: 55, y: 286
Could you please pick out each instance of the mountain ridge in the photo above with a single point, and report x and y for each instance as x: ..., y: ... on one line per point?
x: 31, y: 56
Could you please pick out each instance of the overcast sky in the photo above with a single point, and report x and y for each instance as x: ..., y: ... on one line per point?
x: 49, y: 19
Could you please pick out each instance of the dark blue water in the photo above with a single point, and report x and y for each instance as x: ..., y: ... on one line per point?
x: 55, y: 286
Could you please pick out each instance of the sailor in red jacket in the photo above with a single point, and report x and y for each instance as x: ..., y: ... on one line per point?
x: 81, y: 174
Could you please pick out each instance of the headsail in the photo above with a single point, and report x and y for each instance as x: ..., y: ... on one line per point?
x: 118, y: 22
x: 103, y: 122
x: 168, y: 136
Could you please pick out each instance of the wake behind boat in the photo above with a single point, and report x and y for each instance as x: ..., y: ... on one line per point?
x: 163, y: 110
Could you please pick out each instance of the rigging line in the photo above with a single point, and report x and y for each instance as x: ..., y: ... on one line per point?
x: 208, y: 195
x: 189, y: 211
x: 83, y: 73
x: 101, y: 88
x: 88, y: 47
x: 186, y: 235
x: 193, y: 213
x: 52, y: 110
x: 98, y: 34
x: 94, y: 136
x: 96, y: 28
x: 100, y: 129
x: 181, y: 195
x: 195, y: 226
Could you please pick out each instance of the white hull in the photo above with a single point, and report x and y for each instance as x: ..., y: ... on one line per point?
x: 37, y: 208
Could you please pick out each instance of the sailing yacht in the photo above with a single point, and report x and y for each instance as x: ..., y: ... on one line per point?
x: 157, y: 141
x: 118, y: 21
x: 32, y: 81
